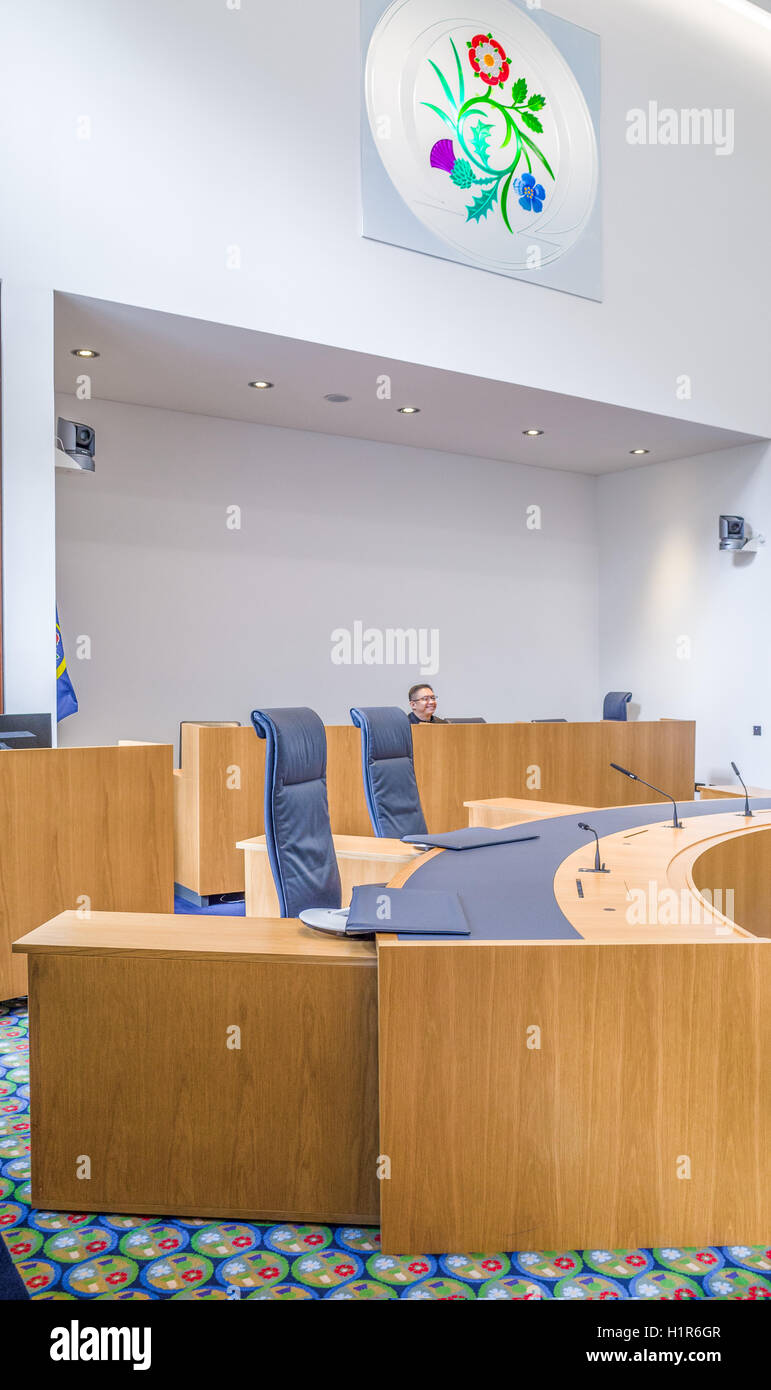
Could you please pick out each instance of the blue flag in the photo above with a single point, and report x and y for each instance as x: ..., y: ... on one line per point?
x: 66, y: 699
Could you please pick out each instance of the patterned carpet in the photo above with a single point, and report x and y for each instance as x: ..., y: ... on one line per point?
x: 65, y: 1255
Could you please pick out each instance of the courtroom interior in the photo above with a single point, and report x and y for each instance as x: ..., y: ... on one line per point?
x: 384, y: 837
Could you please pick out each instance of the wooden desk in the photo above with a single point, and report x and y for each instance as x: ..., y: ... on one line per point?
x: 80, y: 828
x: 360, y: 859
x: 219, y: 789
x: 608, y: 1091
x: 499, y: 811
x: 719, y: 793
x: 596, y: 1092
x: 132, y: 1064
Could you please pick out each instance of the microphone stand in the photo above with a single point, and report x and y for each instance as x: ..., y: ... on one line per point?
x: 598, y: 867
x: 747, y: 812
x: 676, y: 824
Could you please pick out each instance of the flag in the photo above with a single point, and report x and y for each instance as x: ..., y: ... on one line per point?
x: 66, y: 699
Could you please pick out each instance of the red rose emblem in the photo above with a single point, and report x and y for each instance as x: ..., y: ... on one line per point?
x: 488, y: 60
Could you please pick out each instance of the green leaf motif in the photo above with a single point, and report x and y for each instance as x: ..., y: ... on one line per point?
x: 445, y: 85
x: 518, y: 91
x: 532, y: 122
x: 461, y: 83
x: 480, y: 135
x: 536, y: 103
x: 482, y: 204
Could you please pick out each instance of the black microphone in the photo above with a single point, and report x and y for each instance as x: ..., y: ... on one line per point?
x: 676, y: 824
x: 598, y: 867
x: 747, y: 811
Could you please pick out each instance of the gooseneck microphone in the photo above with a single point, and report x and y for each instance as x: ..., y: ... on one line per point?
x: 598, y: 867
x: 676, y: 824
x: 747, y: 811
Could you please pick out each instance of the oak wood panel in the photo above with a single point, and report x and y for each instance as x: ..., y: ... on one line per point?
x: 577, y: 1143
x: 345, y: 784
x: 81, y: 823
x: 739, y: 864
x: 284, y: 1127
x: 458, y: 763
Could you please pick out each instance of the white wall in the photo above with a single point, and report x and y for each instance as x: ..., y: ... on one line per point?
x: 212, y: 126
x: 188, y: 619
x: 682, y: 625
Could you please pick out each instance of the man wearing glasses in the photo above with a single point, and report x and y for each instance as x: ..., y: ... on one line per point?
x: 423, y: 706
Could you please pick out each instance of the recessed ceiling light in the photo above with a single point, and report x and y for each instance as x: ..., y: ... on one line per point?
x: 84, y: 352
x: 261, y: 385
x: 409, y: 409
x: 532, y: 434
x: 639, y: 451
x: 336, y: 398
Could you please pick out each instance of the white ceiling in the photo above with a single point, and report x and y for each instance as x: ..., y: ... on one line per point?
x: 176, y: 363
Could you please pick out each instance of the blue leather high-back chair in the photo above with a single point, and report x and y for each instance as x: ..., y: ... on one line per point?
x: 297, y: 830
x: 615, y: 703
x: 390, y: 785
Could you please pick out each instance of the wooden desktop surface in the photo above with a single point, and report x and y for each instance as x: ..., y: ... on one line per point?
x: 219, y: 790
x: 709, y: 792
x: 498, y: 811
x: 81, y: 827
x: 584, y: 1093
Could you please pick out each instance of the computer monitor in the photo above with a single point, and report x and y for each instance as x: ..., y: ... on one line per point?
x: 548, y: 721
x: 25, y: 731
x: 472, y: 719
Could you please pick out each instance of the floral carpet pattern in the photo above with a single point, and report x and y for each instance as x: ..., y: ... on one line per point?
x: 67, y: 1255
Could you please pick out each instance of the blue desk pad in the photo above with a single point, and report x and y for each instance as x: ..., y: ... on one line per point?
x: 376, y: 908
x: 507, y: 889
x: 474, y: 837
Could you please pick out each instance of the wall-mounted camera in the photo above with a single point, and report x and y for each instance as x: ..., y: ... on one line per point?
x: 75, y: 445
x: 736, y: 534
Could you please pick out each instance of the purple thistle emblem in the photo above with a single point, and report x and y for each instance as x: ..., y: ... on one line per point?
x: 443, y: 156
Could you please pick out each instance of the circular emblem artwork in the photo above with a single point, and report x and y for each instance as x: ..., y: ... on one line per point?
x: 483, y: 129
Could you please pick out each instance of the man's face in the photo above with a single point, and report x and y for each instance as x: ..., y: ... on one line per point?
x: 424, y: 703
